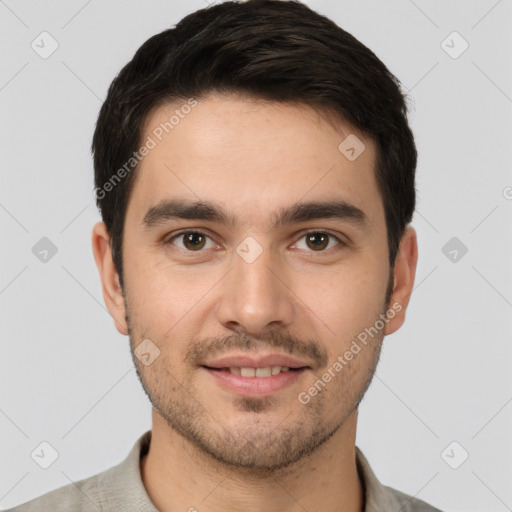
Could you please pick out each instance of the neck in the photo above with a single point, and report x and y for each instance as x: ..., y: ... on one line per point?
x: 179, y: 476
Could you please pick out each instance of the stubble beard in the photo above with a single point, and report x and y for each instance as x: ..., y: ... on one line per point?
x: 254, y: 446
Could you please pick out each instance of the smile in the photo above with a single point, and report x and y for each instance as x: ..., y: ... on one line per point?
x: 255, y: 382
x: 267, y: 371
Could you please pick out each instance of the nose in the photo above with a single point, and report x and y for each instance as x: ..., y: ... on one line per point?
x: 255, y: 297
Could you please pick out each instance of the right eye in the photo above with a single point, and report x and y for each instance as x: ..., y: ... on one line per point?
x: 192, y: 240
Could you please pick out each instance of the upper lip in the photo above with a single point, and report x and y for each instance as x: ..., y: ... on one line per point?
x: 264, y: 361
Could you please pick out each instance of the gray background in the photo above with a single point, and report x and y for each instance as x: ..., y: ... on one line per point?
x: 66, y: 374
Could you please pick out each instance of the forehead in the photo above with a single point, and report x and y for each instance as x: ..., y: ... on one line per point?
x: 254, y: 156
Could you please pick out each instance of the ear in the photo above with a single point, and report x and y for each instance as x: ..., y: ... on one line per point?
x: 404, y: 273
x: 112, y: 291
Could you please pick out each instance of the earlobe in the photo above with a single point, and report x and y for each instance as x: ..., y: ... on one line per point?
x: 112, y: 291
x: 404, y: 274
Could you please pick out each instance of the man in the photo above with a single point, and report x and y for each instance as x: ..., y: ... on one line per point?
x: 254, y: 170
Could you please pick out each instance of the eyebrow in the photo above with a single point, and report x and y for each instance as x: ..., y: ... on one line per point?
x: 170, y: 209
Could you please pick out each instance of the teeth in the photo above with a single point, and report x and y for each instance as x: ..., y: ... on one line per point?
x: 259, y: 372
x: 248, y: 372
x: 264, y: 372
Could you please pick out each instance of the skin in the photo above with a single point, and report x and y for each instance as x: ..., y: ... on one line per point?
x: 212, y: 449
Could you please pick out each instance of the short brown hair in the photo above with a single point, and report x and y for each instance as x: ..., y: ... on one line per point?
x: 269, y: 49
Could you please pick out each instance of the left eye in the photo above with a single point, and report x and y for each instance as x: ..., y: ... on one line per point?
x: 319, y: 240
x: 194, y: 241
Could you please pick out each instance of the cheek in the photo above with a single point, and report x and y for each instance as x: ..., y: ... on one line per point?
x: 346, y: 301
x: 164, y: 299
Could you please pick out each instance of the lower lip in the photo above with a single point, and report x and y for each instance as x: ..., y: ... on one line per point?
x: 256, y: 386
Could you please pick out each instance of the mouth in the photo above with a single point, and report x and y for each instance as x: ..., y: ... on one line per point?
x: 249, y: 372
x: 255, y: 382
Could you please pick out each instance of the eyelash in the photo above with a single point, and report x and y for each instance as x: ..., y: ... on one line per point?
x: 313, y: 231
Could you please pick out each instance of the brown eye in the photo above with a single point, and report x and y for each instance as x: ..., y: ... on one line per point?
x: 192, y: 241
x: 319, y: 241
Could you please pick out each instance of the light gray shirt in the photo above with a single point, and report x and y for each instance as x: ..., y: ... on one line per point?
x: 120, y: 489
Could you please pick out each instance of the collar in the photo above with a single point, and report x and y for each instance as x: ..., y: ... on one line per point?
x: 121, y: 487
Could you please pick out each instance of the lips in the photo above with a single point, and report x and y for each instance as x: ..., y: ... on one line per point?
x: 260, y: 362
x: 255, y: 386
x: 266, y: 371
x: 256, y: 376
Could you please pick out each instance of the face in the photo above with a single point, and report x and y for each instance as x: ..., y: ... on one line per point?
x: 222, y: 269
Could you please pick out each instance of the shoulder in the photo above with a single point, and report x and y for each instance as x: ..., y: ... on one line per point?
x: 117, y: 488
x: 382, y: 498
x: 409, y: 503
x: 79, y: 496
